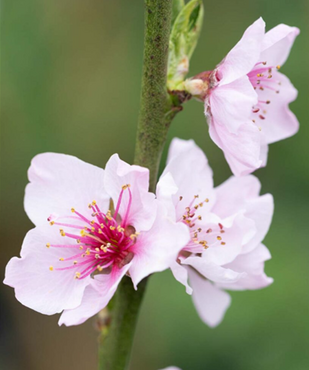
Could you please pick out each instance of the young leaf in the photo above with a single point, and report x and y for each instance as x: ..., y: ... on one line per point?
x: 177, y: 7
x: 183, y: 40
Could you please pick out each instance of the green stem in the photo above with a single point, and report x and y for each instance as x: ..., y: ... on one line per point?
x: 156, y: 114
x: 115, y: 345
x: 155, y: 102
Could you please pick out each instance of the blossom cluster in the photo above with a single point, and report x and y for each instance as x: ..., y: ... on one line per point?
x: 95, y: 227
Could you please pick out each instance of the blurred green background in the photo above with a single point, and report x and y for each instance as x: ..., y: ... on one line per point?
x: 70, y: 83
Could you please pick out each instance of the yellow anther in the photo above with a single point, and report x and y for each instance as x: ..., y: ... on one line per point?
x: 78, y: 241
x: 62, y: 233
x: 47, y: 245
x: 93, y: 229
x: 82, y: 232
x: 75, y: 263
x: 51, y: 268
x: 196, y: 196
x: 199, y: 229
x: 201, y: 204
x: 61, y: 259
x: 81, y: 247
x: 88, y: 251
x: 72, y: 210
x: 77, y: 275
x: 89, y: 205
x: 100, y: 231
x: 219, y: 238
x: 51, y: 223
x: 97, y: 249
x: 181, y: 198
x: 206, y: 200
x: 92, y: 222
x: 278, y: 67
x: 222, y: 231
x: 100, y: 268
x: 102, y: 226
x: 196, y: 207
x: 222, y: 243
x: 199, y: 217
x: 112, y: 227
x: 94, y: 202
x: 124, y: 187
x: 97, y: 256
x: 103, y: 248
x: 260, y: 128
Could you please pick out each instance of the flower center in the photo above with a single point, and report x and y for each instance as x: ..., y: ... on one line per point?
x: 261, y: 78
x: 104, y: 239
x: 202, y: 237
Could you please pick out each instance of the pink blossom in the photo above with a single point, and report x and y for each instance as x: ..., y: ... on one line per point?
x: 110, y: 226
x: 247, y: 98
x: 227, y: 225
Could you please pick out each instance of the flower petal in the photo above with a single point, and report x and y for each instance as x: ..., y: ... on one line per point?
x: 279, y: 122
x: 277, y: 44
x: 231, y: 104
x: 253, y: 264
x: 59, y: 182
x: 37, y: 287
x: 96, y: 297
x: 143, y: 207
x: 233, y: 193
x: 244, y: 55
x: 181, y: 275
x: 211, y: 303
x: 191, y: 173
x: 157, y: 249
x: 241, y: 150
x: 212, y: 271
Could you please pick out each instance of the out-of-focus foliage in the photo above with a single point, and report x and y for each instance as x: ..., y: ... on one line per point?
x: 70, y: 83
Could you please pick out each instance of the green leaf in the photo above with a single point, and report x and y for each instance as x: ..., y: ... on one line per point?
x: 177, y: 6
x: 183, y: 39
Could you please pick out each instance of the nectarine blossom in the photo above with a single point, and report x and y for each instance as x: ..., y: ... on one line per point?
x: 247, y: 99
x: 93, y: 226
x: 227, y: 225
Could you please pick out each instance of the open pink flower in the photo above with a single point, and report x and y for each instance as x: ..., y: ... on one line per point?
x: 227, y: 225
x: 115, y: 228
x: 247, y: 99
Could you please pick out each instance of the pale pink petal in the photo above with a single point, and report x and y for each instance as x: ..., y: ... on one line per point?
x: 253, y: 264
x: 166, y: 189
x: 157, y: 249
x: 211, y: 303
x: 260, y: 210
x: 212, y: 271
x: 233, y: 194
x: 191, y: 173
x: 95, y: 298
x: 181, y: 275
x: 239, y: 230
x: 59, y: 182
x: 277, y: 44
x: 241, y: 150
x: 143, y: 207
x: 171, y: 368
x: 244, y: 55
x: 279, y: 122
x: 231, y: 104
x: 37, y: 287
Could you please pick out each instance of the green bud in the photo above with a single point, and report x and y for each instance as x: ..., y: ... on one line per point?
x: 183, y: 40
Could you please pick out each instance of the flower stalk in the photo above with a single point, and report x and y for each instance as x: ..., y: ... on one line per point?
x: 156, y: 113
